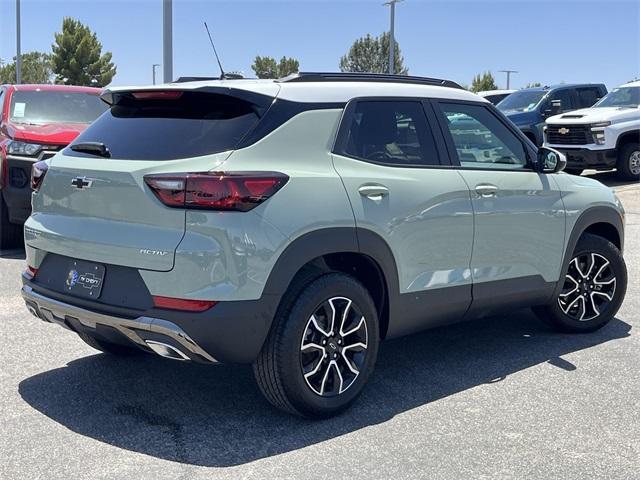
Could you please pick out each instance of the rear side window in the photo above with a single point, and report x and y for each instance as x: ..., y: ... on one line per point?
x: 181, y: 125
x: 391, y: 132
x: 587, y: 96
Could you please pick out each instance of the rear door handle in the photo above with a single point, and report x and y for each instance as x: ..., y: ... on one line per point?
x: 373, y: 192
x: 486, y: 190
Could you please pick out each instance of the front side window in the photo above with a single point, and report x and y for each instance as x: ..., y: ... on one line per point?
x: 391, y: 132
x: 481, y: 140
x: 564, y: 96
x: 39, y: 107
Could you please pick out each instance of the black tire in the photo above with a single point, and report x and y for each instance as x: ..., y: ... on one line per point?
x: 108, y: 347
x: 565, y: 310
x: 279, y: 367
x: 574, y: 171
x: 11, y: 235
x: 628, y: 165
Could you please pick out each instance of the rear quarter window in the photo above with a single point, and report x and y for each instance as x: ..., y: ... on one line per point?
x: 195, y: 124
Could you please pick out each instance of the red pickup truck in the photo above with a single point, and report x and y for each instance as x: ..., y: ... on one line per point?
x: 35, y: 122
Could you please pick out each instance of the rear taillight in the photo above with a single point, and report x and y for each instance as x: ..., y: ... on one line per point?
x: 30, y: 272
x: 239, y: 191
x: 183, y: 304
x: 38, y: 171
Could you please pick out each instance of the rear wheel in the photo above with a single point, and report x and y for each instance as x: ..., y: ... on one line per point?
x: 628, y: 165
x: 10, y: 233
x: 593, y: 289
x: 108, y: 347
x: 321, y: 349
x: 574, y: 171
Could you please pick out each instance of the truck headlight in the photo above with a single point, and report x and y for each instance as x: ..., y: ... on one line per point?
x: 16, y: 147
x: 598, y: 136
x: 597, y: 129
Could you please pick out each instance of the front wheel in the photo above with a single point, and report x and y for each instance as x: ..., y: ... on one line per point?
x: 593, y: 288
x: 321, y: 349
x: 628, y: 165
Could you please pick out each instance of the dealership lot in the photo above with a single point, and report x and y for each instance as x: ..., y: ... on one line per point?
x: 503, y: 397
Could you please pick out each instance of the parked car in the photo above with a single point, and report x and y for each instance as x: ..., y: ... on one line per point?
x: 35, y: 122
x: 495, y: 96
x: 295, y: 224
x: 528, y: 108
x: 602, y: 137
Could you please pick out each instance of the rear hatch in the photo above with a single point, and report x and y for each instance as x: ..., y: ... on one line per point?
x: 96, y: 206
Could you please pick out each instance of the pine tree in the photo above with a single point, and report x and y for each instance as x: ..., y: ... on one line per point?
x: 77, y: 56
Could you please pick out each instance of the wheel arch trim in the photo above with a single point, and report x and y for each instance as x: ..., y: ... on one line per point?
x: 591, y: 216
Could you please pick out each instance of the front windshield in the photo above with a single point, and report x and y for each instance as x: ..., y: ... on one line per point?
x: 42, y: 107
x: 621, y: 97
x: 522, y: 101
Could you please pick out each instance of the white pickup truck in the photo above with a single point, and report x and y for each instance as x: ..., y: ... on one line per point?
x: 601, y: 137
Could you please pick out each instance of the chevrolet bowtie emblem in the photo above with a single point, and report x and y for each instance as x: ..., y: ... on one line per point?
x: 81, y: 182
x: 563, y: 131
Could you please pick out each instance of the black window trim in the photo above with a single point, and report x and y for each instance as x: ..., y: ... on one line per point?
x: 341, y: 139
x: 531, y: 153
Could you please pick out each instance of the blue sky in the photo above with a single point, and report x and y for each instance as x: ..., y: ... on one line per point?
x: 546, y: 41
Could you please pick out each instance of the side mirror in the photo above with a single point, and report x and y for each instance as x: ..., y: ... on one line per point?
x: 554, y: 108
x: 550, y: 160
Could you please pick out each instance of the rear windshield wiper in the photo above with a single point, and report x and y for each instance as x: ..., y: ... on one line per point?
x: 94, y: 148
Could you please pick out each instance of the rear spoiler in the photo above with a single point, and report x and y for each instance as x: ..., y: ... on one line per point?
x: 262, y: 95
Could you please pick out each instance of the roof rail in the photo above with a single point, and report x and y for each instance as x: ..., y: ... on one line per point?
x: 365, y: 77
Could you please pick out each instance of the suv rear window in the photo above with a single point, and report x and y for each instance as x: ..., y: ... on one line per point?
x: 191, y: 125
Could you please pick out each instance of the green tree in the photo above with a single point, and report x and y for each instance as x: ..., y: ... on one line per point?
x: 77, y: 56
x: 266, y: 67
x: 36, y: 68
x: 483, y: 82
x: 532, y: 85
x: 371, y: 55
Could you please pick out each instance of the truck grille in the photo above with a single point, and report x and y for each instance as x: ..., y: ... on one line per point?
x: 569, y: 134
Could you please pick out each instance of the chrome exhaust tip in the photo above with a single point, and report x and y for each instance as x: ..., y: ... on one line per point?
x: 167, y: 351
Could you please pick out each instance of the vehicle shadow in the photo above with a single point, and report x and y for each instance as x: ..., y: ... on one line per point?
x: 215, y: 416
x: 609, y: 178
x: 13, y: 254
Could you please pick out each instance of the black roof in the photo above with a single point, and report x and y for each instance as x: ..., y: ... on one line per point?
x: 366, y: 77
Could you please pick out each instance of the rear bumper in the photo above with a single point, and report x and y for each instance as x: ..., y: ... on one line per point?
x: 138, y: 331
x: 233, y: 333
x: 585, y: 158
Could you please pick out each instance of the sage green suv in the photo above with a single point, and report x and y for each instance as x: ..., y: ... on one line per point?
x: 294, y: 224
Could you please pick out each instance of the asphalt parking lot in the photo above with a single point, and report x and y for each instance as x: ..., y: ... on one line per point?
x: 503, y: 397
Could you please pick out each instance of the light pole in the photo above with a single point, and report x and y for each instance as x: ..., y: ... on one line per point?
x: 392, y: 41
x: 167, y: 40
x: 18, y: 53
x: 153, y: 70
x: 508, y: 72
